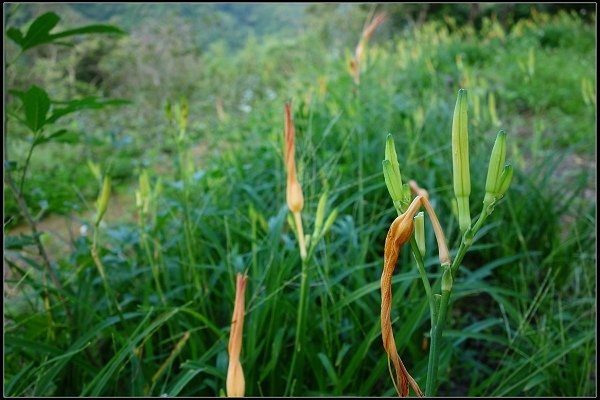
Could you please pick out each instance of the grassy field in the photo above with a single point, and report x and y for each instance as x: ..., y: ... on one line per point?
x: 194, y: 205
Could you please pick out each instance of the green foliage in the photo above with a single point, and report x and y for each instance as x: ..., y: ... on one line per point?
x: 39, y: 31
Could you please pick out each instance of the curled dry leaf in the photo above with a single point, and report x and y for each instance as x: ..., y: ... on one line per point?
x: 399, y: 233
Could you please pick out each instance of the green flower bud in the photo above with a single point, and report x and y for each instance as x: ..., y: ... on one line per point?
x: 505, y: 180
x: 494, y: 169
x: 420, y: 232
x: 102, y: 202
x: 460, y: 160
x: 320, y: 213
x: 95, y: 169
x: 393, y: 185
x: 391, y: 173
x: 330, y: 220
x: 390, y: 154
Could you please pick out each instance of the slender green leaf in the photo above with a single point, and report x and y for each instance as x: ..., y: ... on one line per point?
x: 39, y: 31
x: 82, y: 104
x: 87, y: 30
x: 98, y: 384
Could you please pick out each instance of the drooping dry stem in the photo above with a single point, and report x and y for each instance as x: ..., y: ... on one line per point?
x: 444, y: 255
x: 235, y: 374
x: 360, y: 47
x: 399, y: 233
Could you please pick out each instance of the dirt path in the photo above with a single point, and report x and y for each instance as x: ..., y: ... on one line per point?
x: 64, y: 229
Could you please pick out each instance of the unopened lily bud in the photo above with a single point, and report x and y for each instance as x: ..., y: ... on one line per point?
x: 95, y: 170
x: 102, y: 202
x: 391, y: 174
x: 447, y: 279
x: 392, y: 157
x: 460, y: 160
x: 330, y: 220
x: 505, y: 180
x: 420, y: 232
x: 406, y: 197
x: 320, y: 213
x: 393, y: 185
x: 236, y: 384
x: 294, y: 197
x: 495, y: 167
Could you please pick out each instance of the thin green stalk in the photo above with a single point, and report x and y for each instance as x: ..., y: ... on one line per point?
x: 24, y: 209
x: 300, y: 322
x: 422, y: 273
x: 438, y: 323
x: 27, y: 162
x: 189, y: 274
x: 434, y: 354
x: 153, y: 266
x: 102, y: 273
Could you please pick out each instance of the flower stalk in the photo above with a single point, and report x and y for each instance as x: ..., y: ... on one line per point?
x: 497, y: 183
x: 236, y: 384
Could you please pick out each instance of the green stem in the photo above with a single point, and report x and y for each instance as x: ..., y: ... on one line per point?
x: 300, y: 322
x: 438, y: 323
x: 153, y: 266
x: 421, y: 268
x: 423, y: 274
x: 189, y: 274
x: 102, y: 273
x: 436, y: 337
x: 27, y: 160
